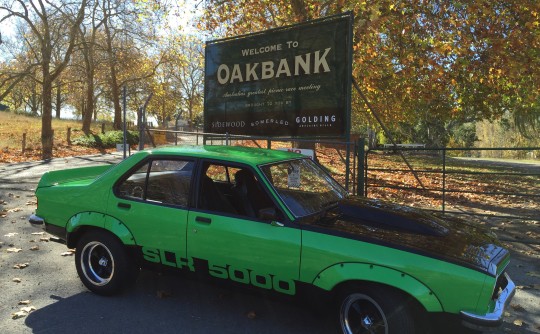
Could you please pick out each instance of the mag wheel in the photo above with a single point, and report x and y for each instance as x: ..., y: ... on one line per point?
x: 378, y: 311
x: 103, y: 264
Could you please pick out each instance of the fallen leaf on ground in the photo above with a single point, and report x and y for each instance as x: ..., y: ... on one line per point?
x: 28, y: 309
x: 68, y: 253
x: 13, y: 250
x: 518, y: 322
x: 18, y: 315
x: 14, y: 210
x: 45, y: 239
x: 517, y: 307
x: 17, y: 280
x: 24, y: 302
x: 38, y: 233
x: 163, y: 294
x: 34, y: 248
x: 9, y: 235
x: 20, y: 266
x: 31, y: 203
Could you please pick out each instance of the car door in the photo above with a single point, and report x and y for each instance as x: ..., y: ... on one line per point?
x: 152, y: 201
x: 231, y: 242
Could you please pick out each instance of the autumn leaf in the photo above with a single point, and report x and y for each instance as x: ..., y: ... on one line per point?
x: 28, y: 309
x: 18, y: 315
x: 519, y: 322
x: 13, y: 250
x: 517, y: 307
x: 251, y: 315
x: 68, y: 253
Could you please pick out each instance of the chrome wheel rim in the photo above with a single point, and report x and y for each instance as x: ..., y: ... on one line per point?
x: 361, y: 314
x: 97, y: 263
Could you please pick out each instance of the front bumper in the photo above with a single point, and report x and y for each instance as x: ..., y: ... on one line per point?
x: 494, y: 318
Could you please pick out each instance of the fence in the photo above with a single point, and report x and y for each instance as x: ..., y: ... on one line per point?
x: 451, y: 180
x: 456, y: 180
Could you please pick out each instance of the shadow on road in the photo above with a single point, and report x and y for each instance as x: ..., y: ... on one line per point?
x: 185, y: 306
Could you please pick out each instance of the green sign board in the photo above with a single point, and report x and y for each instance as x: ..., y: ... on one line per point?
x: 288, y: 82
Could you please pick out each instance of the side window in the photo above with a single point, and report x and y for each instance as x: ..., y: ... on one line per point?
x: 233, y: 190
x: 160, y: 181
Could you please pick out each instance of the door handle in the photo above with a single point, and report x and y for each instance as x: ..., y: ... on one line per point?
x: 203, y: 220
x: 124, y: 205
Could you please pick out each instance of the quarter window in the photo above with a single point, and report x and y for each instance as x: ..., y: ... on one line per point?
x: 160, y: 181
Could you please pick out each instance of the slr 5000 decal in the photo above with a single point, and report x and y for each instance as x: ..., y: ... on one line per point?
x: 224, y: 271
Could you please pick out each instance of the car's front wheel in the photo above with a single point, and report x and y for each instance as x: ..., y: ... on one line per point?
x: 376, y: 311
x: 103, y: 263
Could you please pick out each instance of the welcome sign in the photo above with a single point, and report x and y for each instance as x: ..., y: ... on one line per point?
x: 292, y: 81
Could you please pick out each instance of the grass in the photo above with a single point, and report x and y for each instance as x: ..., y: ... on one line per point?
x: 13, y: 126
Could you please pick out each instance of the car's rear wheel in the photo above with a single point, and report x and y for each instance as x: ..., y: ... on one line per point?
x: 103, y: 263
x: 376, y: 310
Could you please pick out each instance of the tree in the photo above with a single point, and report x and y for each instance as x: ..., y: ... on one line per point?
x: 184, y: 68
x: 454, y: 60
x: 47, y: 23
x: 129, y: 28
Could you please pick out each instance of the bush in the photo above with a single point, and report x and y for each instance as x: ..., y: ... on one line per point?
x: 107, y: 140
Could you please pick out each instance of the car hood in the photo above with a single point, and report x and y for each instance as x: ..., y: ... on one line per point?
x: 406, y: 228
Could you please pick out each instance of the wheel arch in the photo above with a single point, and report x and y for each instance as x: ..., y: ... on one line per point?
x: 84, y: 222
x: 339, y: 277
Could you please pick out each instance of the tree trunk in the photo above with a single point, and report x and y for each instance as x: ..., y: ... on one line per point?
x: 46, y: 117
x: 89, y: 110
x: 115, y: 95
x: 58, y: 99
x: 115, y: 89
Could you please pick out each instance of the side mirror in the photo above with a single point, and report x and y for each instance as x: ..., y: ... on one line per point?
x: 268, y: 214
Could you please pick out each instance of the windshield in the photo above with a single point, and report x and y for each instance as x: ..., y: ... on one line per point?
x: 303, y: 186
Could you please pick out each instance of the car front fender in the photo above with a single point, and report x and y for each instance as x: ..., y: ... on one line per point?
x: 334, y: 275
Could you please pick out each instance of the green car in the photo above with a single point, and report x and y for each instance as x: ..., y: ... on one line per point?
x: 274, y: 221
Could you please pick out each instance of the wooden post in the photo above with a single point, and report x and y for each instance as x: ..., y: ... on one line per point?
x: 52, y: 138
x: 69, y: 136
x: 23, y: 142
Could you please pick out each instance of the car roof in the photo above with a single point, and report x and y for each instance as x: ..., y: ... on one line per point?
x: 248, y: 155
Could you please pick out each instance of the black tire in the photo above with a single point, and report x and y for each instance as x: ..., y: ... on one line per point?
x: 375, y: 310
x: 103, y: 263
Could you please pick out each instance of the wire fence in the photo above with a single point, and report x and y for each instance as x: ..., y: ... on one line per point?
x: 449, y: 180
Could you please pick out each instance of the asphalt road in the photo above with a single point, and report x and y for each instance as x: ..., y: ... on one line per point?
x: 159, y: 302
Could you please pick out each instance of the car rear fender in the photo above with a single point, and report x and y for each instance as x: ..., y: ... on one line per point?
x: 334, y: 275
x: 100, y: 220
